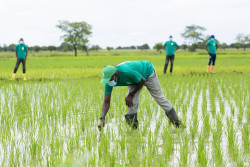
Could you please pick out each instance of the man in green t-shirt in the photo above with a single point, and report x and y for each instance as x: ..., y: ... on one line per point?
x: 134, y: 75
x: 211, y: 47
x: 170, y: 47
x: 21, y: 55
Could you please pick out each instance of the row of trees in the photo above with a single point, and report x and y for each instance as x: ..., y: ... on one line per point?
x: 76, y: 37
x: 196, y: 39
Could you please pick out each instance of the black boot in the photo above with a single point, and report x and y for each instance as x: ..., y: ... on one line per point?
x: 131, y: 119
x: 172, y: 115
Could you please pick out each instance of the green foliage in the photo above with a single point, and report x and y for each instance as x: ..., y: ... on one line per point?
x: 193, y: 33
x: 158, y: 47
x: 242, y: 41
x: 76, y: 33
x: 36, y: 48
x: 52, y: 48
x: 144, y: 47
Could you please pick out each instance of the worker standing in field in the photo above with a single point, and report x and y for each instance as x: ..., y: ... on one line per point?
x: 170, y: 47
x: 21, y: 55
x: 211, y: 47
x: 134, y: 75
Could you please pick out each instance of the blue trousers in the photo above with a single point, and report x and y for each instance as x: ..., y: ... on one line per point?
x: 212, y: 59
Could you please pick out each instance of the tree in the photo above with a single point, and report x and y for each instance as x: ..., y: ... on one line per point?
x: 144, y: 47
x: 184, y: 46
x: 158, y: 47
x: 223, y: 46
x: 12, y: 47
x: 193, y: 33
x: 243, y: 40
x: 37, y: 48
x: 52, y: 48
x: 77, y: 34
x: 95, y: 47
x: 109, y: 48
x: 65, y: 47
x: 44, y: 48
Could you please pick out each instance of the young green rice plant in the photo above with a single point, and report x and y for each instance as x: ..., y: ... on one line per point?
x: 168, y: 145
x: 206, y: 126
x: 245, y: 138
x: 217, y: 153
x: 232, y: 139
x: 184, y: 151
x: 202, y: 155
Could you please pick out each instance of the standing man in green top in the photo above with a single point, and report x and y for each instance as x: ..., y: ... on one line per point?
x: 21, y: 55
x: 211, y: 47
x: 170, y: 47
x: 134, y: 75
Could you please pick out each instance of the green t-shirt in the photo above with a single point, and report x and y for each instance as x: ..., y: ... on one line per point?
x: 212, y: 44
x: 21, y: 49
x: 130, y: 73
x: 170, y: 47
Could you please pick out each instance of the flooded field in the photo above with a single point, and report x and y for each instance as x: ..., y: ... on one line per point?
x: 54, y: 123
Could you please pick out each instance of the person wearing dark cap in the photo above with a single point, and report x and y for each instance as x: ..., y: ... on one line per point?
x: 134, y: 75
x: 211, y: 47
x: 21, y: 55
x: 170, y: 47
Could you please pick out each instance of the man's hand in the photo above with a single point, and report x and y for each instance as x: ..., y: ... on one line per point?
x: 101, y: 124
x: 129, y: 100
x: 24, y: 60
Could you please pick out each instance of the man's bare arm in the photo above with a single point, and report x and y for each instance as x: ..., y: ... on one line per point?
x: 106, y: 105
x: 105, y: 109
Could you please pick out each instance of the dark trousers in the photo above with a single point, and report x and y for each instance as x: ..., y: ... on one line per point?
x: 171, y: 58
x: 18, y: 63
x: 212, y: 59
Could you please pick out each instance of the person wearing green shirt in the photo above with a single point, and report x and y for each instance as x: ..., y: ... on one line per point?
x: 211, y: 47
x: 170, y: 47
x: 134, y: 75
x: 21, y: 55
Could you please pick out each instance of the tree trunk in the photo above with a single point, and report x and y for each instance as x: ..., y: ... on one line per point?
x: 87, y: 52
x: 75, y: 50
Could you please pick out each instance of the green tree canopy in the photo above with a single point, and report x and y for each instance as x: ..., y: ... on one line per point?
x: 144, y: 47
x: 37, y: 48
x: 158, y: 47
x: 52, y: 48
x: 76, y: 34
x: 193, y: 34
x: 243, y: 40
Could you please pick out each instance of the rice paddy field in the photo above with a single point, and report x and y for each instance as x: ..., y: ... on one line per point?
x: 51, y: 119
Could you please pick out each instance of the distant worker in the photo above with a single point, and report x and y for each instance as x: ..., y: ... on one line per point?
x: 211, y: 47
x: 170, y: 47
x: 21, y: 55
x: 134, y: 75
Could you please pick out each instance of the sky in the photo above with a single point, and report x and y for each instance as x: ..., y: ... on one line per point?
x: 122, y: 22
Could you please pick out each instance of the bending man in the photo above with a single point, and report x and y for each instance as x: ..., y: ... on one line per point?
x: 134, y: 75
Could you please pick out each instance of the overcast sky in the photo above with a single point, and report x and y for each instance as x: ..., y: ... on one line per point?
x: 122, y: 22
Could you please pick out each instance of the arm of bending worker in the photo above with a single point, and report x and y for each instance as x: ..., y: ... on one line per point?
x: 105, y: 109
x: 129, y: 97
